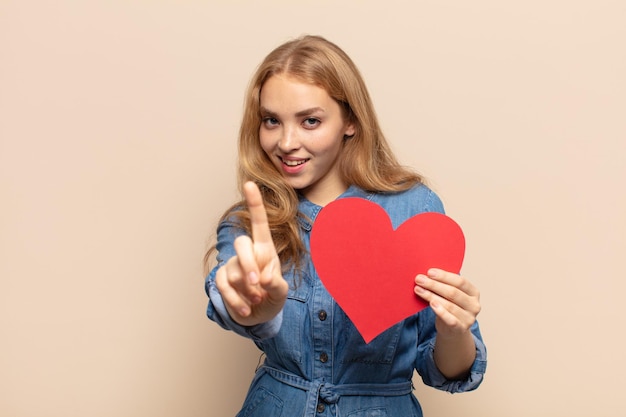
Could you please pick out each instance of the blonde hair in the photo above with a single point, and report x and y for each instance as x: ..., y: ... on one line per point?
x: 366, y: 159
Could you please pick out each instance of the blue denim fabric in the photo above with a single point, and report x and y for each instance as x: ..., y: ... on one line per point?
x: 318, y: 365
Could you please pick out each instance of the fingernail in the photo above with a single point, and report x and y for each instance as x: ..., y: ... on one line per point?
x: 420, y: 279
x: 433, y: 273
x: 419, y: 290
x: 244, y: 311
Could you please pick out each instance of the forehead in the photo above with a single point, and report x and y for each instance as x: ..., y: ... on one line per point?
x: 285, y: 91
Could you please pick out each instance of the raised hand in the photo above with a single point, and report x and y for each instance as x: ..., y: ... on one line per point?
x: 251, y: 283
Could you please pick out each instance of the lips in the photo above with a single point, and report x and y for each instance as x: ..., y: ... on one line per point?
x: 293, y: 166
x: 293, y: 162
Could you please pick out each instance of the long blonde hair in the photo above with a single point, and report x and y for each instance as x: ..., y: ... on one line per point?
x: 366, y: 159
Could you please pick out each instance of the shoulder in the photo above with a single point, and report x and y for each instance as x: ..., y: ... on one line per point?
x: 404, y: 204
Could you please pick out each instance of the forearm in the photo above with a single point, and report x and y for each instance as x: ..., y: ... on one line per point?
x: 455, y: 354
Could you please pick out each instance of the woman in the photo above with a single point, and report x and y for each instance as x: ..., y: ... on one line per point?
x: 309, y: 136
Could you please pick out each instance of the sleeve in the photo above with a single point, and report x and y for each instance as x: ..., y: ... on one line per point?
x: 226, y: 233
x: 425, y: 361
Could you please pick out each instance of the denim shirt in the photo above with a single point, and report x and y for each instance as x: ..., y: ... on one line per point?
x: 317, y: 363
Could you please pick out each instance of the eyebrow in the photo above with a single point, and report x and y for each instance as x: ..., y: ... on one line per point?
x: 301, y: 113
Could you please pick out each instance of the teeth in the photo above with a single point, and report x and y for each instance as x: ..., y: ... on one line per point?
x: 294, y: 163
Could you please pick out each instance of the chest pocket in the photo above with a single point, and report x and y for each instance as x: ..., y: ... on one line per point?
x: 381, y: 350
x: 288, y: 345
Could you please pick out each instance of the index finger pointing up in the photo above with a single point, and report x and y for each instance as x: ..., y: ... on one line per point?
x: 258, y: 217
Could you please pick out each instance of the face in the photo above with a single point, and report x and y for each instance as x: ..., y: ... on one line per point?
x: 302, y: 132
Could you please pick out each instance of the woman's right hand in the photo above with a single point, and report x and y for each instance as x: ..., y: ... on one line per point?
x: 251, y: 283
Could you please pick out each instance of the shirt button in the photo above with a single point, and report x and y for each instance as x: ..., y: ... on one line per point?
x: 320, y: 407
x: 322, y: 315
x: 324, y: 357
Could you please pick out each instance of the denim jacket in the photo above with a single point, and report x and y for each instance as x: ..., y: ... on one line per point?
x: 316, y: 363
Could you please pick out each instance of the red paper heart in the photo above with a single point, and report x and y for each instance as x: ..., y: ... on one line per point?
x: 370, y: 269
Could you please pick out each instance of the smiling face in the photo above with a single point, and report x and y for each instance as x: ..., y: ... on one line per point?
x: 302, y: 132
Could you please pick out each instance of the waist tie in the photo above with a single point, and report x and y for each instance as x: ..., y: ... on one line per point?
x: 331, y: 393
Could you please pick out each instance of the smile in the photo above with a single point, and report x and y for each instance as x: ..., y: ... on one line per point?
x: 291, y: 163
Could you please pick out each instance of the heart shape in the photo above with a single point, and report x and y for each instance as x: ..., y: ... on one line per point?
x: 369, y: 268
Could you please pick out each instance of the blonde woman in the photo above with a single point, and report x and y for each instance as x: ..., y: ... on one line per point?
x: 309, y: 136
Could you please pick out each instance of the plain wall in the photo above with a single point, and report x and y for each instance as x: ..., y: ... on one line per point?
x: 118, y: 124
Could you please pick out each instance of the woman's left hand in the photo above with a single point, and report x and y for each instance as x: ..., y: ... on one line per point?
x: 454, y: 299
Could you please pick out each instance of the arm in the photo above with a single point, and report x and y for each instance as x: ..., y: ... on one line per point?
x: 456, y: 303
x: 451, y: 353
x: 457, y: 351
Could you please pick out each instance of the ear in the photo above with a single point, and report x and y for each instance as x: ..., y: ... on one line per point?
x: 350, y: 131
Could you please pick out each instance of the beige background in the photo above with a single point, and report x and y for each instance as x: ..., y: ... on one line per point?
x: 117, y: 155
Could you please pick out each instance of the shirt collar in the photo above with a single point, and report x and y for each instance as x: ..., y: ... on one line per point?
x: 310, y: 210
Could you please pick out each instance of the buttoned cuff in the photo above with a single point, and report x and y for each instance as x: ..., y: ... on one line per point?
x: 433, y: 377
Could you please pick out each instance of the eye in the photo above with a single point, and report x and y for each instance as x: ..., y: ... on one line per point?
x: 311, y: 123
x: 270, y: 122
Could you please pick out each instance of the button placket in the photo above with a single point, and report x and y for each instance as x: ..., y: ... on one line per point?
x: 322, y: 328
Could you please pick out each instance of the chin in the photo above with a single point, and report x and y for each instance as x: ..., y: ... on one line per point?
x: 298, y: 185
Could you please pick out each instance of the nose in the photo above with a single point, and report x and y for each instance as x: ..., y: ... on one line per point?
x: 289, y: 140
